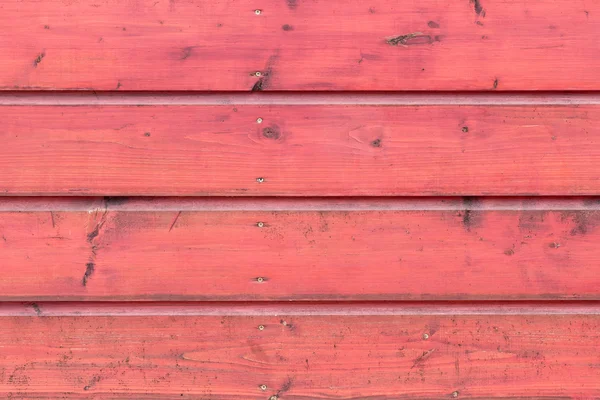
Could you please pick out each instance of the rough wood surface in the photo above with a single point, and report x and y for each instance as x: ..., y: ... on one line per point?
x: 304, y: 150
x: 300, y: 45
x: 276, y: 293
x: 260, y: 249
x: 297, y: 357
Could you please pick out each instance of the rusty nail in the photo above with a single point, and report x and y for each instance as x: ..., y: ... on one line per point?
x: 263, y: 387
x: 259, y: 120
x: 425, y: 336
x: 257, y: 12
x: 261, y: 328
x: 260, y: 180
x: 260, y: 224
x: 454, y: 394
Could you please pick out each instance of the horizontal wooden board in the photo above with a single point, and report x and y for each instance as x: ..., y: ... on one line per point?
x: 300, y: 45
x: 300, y: 150
x: 306, y: 355
x: 286, y: 249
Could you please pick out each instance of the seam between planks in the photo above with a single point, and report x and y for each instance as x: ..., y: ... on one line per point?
x: 92, y: 98
x: 266, y: 204
x: 56, y: 309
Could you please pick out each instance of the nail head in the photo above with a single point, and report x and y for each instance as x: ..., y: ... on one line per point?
x: 260, y: 279
x: 259, y: 120
x: 257, y: 73
x: 257, y: 12
x: 261, y: 328
x: 425, y: 336
x: 454, y: 394
x: 260, y: 180
x: 260, y: 224
x: 263, y: 387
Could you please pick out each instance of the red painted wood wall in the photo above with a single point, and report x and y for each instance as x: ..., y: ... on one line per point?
x: 299, y: 199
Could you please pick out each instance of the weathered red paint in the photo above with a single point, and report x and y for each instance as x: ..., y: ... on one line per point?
x: 295, y: 356
x: 357, y: 234
x: 304, y: 150
x: 219, y: 249
x: 312, y: 45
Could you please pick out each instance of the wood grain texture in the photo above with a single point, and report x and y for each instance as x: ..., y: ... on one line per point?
x: 337, y: 249
x: 301, y: 356
x: 309, y: 150
x: 300, y: 45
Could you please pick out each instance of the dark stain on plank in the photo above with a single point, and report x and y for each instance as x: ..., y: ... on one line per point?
x: 186, y: 52
x: 287, y: 385
x: 38, y: 59
x: 409, y: 39
x: 89, y: 270
x: 36, y: 308
x: 258, y: 86
x: 266, y: 75
x: 115, y: 200
x: 478, y: 7
x: 468, y: 216
x: 93, y: 234
x: 583, y: 220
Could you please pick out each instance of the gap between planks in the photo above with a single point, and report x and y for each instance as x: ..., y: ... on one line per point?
x: 57, y: 309
x: 87, y: 98
x: 266, y: 204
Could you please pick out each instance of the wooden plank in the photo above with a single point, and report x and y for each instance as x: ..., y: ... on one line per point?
x: 300, y: 355
x: 300, y: 45
x: 303, y: 150
x: 293, y: 249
